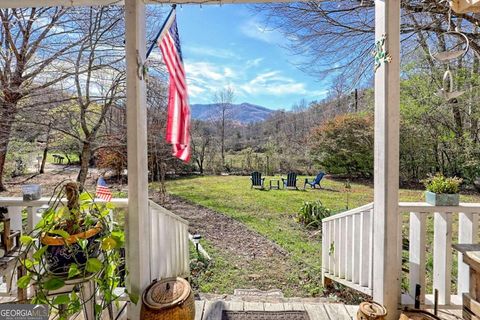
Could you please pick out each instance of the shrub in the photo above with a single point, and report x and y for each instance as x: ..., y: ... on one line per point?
x: 312, y: 213
x: 113, y: 159
x: 344, y: 145
x: 440, y: 184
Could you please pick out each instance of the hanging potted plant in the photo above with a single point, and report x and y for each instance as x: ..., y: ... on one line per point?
x: 442, y: 191
x: 74, y: 240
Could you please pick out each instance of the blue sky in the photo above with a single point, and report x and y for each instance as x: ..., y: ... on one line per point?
x: 229, y: 46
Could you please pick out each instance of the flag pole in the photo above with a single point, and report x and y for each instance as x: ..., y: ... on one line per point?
x: 160, y: 31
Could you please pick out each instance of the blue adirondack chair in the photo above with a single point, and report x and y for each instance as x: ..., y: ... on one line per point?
x: 315, y: 181
x: 257, y: 180
x: 291, y: 181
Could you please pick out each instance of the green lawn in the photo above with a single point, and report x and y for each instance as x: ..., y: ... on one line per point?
x: 272, y: 214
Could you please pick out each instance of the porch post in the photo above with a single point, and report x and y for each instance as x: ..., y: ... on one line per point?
x: 137, y: 218
x: 386, y: 254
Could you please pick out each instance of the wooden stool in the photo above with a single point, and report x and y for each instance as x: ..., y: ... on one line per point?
x: 471, y: 300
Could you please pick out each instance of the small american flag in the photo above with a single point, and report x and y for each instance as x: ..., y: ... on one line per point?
x: 178, y: 123
x: 103, y: 192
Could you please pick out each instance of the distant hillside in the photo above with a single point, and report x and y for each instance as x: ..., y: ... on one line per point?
x: 244, y: 113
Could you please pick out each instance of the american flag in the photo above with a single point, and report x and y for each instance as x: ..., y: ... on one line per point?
x: 178, y: 123
x: 103, y: 192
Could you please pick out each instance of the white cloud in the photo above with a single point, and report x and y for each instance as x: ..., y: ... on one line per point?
x: 274, y: 83
x: 211, y: 52
x: 204, y: 70
x: 205, y: 78
x: 256, y: 30
x: 254, y: 62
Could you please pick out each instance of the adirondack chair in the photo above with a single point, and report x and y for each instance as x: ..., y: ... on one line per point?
x: 314, y: 181
x: 291, y: 181
x: 257, y: 180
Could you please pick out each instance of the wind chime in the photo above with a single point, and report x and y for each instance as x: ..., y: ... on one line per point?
x: 458, y: 51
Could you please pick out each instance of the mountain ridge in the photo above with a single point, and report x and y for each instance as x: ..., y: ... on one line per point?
x: 244, y: 112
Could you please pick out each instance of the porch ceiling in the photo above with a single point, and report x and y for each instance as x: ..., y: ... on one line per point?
x: 70, y: 3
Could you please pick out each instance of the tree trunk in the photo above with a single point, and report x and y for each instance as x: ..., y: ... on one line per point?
x: 45, y: 151
x: 84, y: 161
x: 223, y: 137
x: 7, y: 116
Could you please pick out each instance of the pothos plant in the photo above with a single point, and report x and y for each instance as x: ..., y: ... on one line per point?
x: 75, y: 240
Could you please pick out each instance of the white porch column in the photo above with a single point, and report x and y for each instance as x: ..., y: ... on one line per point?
x: 387, y: 263
x: 137, y: 236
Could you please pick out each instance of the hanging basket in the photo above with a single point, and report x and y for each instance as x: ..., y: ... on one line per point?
x: 465, y: 6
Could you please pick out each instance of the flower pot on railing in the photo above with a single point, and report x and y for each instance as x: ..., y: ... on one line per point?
x: 442, y: 191
x: 442, y: 199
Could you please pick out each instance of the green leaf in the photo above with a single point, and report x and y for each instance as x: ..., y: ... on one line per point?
x: 133, y: 297
x: 104, y: 213
x: 24, y: 281
x: 82, y: 243
x: 62, y: 233
x: 53, y: 284
x: 73, y: 270
x: 26, y: 240
x: 85, y: 196
x: 27, y: 263
x: 109, y: 205
x: 38, y: 255
x: 98, y: 308
x: 94, y: 265
x: 109, y: 244
x: 61, y: 299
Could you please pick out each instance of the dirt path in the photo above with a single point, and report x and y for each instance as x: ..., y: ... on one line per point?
x: 256, y: 261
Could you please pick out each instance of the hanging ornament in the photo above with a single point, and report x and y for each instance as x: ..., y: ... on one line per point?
x: 447, y: 91
x: 456, y: 52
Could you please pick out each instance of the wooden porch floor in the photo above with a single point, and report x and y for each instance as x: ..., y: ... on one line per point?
x: 212, y: 309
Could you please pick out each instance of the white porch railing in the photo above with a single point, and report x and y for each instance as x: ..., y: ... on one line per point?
x: 169, y: 244
x: 348, y: 259
x: 168, y: 234
x: 347, y: 248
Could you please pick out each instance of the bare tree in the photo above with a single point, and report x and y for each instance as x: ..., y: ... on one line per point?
x: 202, y: 136
x: 223, y: 100
x: 97, y: 84
x: 337, y: 37
x: 30, y: 41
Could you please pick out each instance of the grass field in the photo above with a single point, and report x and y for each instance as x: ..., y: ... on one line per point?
x: 272, y: 214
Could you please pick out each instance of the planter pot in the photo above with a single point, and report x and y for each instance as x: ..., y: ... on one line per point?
x: 442, y: 199
x: 61, y: 253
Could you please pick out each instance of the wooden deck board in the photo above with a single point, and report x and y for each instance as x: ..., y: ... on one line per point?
x: 337, y: 311
x: 253, y: 306
x: 294, y: 306
x: 199, y: 304
x: 213, y: 310
x: 317, y: 312
x: 234, y: 305
x: 352, y: 311
x: 274, y: 307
